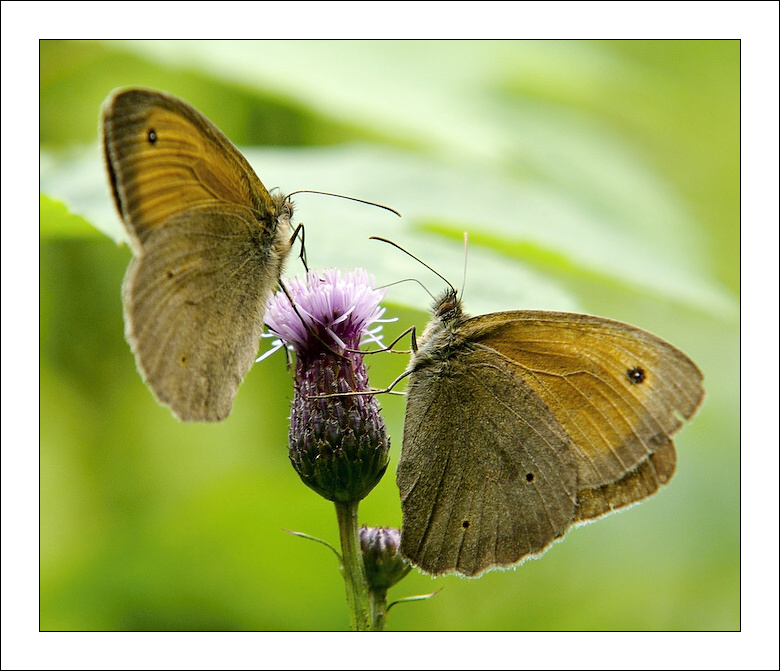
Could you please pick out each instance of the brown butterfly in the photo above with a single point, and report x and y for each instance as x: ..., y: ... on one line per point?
x: 522, y: 424
x: 209, y: 243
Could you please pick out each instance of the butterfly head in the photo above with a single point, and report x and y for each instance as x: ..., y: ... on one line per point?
x: 448, y: 307
x: 278, y: 206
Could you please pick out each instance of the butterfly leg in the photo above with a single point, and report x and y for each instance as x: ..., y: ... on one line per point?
x: 302, y: 256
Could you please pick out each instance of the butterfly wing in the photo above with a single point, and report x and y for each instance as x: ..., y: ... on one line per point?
x: 619, y: 392
x: 486, y: 475
x: 209, y: 244
x: 638, y: 484
x: 194, y: 305
x: 164, y: 156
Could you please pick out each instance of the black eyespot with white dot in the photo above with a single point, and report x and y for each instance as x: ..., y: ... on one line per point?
x: 636, y: 375
x: 151, y: 136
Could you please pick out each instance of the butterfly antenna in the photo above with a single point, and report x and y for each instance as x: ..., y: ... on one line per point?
x: 338, y: 195
x: 465, y: 261
x: 408, y: 253
x: 409, y: 279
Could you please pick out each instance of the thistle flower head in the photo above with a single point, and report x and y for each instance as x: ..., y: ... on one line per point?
x: 338, y: 444
x: 332, y: 310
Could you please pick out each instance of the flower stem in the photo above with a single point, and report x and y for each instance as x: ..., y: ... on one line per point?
x: 353, y: 568
x: 379, y: 609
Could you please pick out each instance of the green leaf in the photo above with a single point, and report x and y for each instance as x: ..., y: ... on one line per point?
x: 547, y: 228
x: 58, y: 222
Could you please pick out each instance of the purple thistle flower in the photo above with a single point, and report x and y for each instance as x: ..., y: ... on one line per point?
x: 338, y: 444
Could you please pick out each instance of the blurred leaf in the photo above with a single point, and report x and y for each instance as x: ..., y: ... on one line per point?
x: 75, y: 191
x: 549, y: 226
x: 57, y: 221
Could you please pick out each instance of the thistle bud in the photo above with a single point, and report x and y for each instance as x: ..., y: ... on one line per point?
x: 384, y: 565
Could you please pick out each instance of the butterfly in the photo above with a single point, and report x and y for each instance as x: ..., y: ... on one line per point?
x: 209, y: 244
x: 522, y: 424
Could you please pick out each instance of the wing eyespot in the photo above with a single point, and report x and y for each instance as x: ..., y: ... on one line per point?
x: 636, y: 375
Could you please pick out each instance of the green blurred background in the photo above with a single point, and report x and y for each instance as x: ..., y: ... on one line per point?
x: 601, y: 177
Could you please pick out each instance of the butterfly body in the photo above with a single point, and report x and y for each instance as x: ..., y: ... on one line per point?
x: 209, y: 245
x: 522, y: 424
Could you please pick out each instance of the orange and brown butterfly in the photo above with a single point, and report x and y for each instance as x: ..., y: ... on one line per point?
x: 209, y: 242
x: 522, y: 424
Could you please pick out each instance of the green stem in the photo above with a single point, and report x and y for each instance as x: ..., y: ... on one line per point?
x: 353, y: 568
x: 379, y: 608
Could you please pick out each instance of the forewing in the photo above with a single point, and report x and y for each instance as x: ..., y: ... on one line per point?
x: 619, y: 392
x: 164, y: 156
